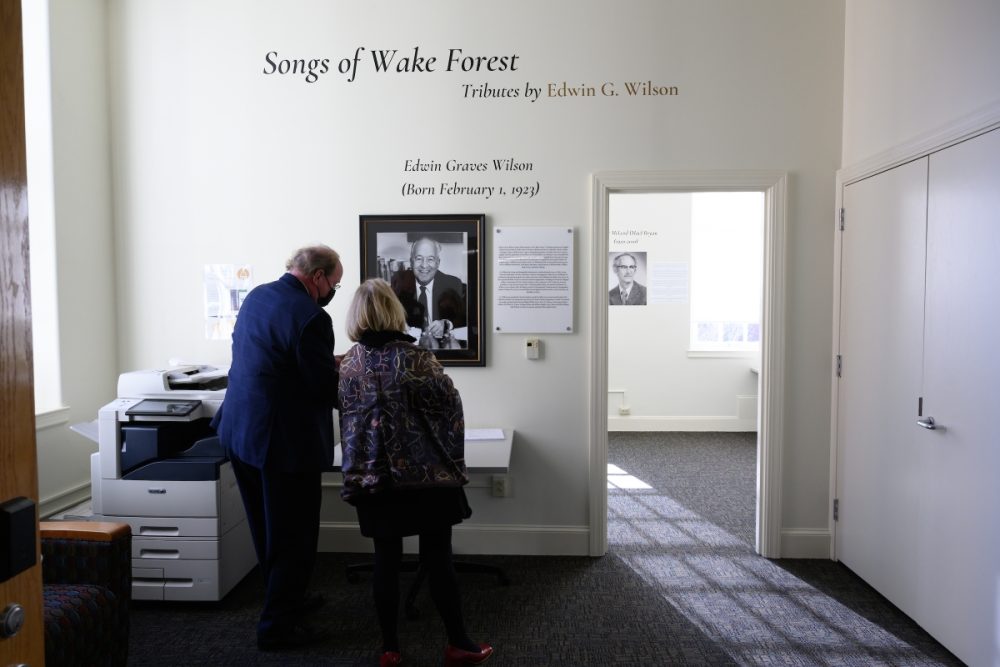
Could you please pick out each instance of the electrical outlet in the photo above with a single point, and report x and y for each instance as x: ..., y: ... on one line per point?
x: 500, y: 486
x: 624, y: 410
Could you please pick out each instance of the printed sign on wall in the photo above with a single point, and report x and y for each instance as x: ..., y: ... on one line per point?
x: 226, y: 285
x: 533, y: 280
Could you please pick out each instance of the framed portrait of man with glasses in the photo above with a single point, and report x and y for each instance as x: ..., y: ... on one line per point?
x: 626, y: 275
x: 434, y: 264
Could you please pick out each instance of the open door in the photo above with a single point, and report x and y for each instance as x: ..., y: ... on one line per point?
x: 20, y: 592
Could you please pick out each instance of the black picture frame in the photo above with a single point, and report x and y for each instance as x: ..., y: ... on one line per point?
x: 386, y: 243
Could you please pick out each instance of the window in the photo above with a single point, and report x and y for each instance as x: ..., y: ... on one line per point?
x: 41, y: 219
x: 727, y: 255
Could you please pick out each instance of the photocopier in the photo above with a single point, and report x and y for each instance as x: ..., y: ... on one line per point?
x: 159, y: 467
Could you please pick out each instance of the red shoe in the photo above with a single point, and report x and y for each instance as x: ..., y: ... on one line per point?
x: 390, y: 659
x: 455, y: 657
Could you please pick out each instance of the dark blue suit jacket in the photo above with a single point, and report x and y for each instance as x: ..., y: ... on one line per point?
x: 278, y: 410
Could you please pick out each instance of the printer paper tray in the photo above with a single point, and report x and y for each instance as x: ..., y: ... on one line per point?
x: 167, y: 549
x: 179, y: 580
x: 168, y: 527
x: 160, y: 498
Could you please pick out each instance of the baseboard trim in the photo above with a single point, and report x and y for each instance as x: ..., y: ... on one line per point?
x: 511, y: 540
x: 63, y: 500
x: 805, y: 543
x: 726, y: 424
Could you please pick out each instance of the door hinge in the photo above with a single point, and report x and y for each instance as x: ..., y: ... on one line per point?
x: 842, y: 216
x: 840, y: 365
x: 836, y: 509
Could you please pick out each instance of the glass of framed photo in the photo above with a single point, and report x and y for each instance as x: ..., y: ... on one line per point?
x: 434, y: 264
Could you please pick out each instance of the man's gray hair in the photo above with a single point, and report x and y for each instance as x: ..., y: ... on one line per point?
x: 311, y: 258
x: 437, y: 246
x: 624, y: 254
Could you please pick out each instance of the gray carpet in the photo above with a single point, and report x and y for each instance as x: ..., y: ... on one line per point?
x: 689, y: 536
x: 680, y: 585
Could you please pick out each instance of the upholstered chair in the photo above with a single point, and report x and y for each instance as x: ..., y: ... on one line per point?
x: 87, y: 588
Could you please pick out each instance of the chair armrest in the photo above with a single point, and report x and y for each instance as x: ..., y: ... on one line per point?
x: 99, y: 531
x: 88, y: 552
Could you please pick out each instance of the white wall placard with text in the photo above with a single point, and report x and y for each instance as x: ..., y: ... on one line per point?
x: 533, y: 280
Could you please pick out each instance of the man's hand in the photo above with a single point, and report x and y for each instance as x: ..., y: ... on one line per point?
x: 439, y: 328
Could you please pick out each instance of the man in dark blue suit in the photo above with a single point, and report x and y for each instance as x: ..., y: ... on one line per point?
x: 277, y: 426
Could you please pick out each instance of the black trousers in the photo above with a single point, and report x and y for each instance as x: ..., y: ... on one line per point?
x: 435, y: 558
x: 283, y: 511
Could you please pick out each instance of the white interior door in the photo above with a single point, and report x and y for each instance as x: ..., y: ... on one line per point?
x: 881, y: 338
x: 960, y: 538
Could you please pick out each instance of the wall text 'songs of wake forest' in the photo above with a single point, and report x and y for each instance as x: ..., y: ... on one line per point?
x: 389, y: 60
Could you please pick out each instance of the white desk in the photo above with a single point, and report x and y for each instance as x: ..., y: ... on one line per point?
x: 487, y: 450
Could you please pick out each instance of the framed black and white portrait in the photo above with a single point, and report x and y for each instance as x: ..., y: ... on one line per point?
x: 627, y: 278
x: 435, y: 266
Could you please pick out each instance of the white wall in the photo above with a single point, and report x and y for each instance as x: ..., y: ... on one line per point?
x: 85, y: 275
x: 649, y: 368
x: 216, y: 162
x: 914, y: 66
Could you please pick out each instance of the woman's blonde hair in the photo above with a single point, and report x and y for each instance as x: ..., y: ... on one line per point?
x: 375, y: 307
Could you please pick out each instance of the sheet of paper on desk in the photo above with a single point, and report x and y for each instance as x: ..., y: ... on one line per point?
x: 484, y: 434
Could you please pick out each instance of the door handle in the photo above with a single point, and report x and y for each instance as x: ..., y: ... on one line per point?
x: 927, y: 423
x: 11, y: 621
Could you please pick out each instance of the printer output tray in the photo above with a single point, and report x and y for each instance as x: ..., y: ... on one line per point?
x: 186, y: 468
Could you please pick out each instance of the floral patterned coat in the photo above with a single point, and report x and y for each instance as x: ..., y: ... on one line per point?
x: 401, y: 421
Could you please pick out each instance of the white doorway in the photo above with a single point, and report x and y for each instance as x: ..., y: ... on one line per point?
x: 771, y: 185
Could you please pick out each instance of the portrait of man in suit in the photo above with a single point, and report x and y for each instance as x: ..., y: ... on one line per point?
x: 434, y: 301
x: 628, y: 292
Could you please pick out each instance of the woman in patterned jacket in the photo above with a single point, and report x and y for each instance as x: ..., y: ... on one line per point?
x: 403, y: 439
